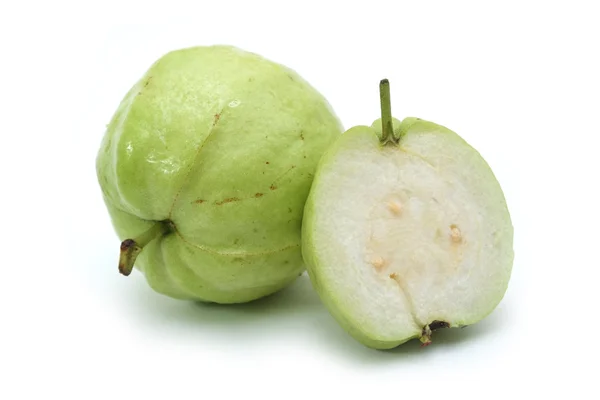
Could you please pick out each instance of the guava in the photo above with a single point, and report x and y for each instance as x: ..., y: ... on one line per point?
x: 406, y: 230
x: 205, y: 168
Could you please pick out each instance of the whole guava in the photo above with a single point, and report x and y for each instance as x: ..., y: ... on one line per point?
x: 205, y: 168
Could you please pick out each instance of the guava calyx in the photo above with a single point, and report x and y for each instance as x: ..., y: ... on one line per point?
x: 131, y: 248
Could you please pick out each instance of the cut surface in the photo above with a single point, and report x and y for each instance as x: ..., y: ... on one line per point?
x: 400, y: 237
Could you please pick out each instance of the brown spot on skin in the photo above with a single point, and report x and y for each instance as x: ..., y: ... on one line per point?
x: 217, y: 117
x: 258, y: 195
x: 304, y: 156
x: 147, y: 81
x: 228, y: 200
x: 267, y: 163
x: 291, y: 78
x: 394, y: 276
x: 281, y: 176
x: 302, y: 136
x: 200, y: 201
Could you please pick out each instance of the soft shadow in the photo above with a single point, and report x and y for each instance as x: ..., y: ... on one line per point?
x: 287, y: 310
x: 294, y: 312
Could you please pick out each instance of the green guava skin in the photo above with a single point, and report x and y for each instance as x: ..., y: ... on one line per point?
x: 222, y: 145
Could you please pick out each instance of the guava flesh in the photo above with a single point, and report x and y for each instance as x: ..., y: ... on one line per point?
x: 221, y: 145
x: 401, y: 240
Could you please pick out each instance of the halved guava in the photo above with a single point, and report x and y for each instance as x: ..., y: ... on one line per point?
x: 406, y: 231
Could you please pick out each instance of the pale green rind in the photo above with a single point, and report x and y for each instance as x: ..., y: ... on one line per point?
x: 224, y: 143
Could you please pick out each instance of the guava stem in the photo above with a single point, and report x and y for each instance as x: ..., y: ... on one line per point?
x: 131, y: 248
x: 387, y: 127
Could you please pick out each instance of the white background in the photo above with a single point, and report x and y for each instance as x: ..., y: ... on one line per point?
x: 518, y: 80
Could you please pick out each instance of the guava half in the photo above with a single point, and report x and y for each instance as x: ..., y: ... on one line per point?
x: 406, y: 230
x: 205, y: 168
